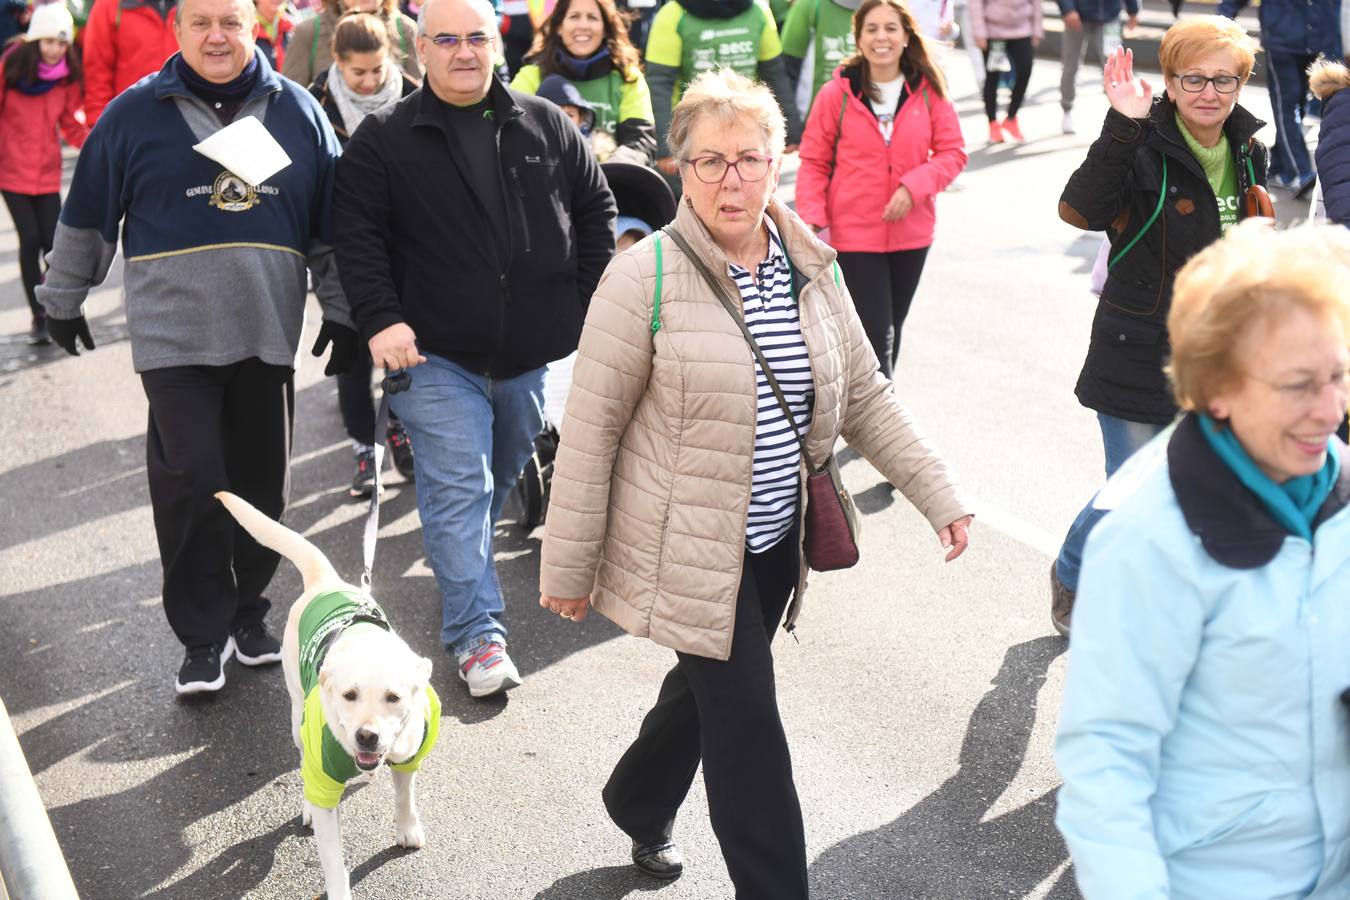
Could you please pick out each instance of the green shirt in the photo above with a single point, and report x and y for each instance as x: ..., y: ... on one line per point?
x: 325, y: 767
x: 1221, y: 173
x: 693, y: 45
x: 831, y: 26
x: 613, y: 99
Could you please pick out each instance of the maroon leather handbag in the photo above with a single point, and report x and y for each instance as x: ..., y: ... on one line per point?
x: 832, y: 525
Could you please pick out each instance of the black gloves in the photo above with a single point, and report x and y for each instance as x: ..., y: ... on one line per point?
x: 65, y: 331
x: 346, y: 348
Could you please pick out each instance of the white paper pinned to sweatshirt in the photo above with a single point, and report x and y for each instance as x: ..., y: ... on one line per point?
x: 247, y: 149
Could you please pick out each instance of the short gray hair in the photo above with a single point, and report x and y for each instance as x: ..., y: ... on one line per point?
x: 726, y: 95
x: 484, y: 6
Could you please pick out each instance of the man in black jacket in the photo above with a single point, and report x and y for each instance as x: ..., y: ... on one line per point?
x: 471, y: 225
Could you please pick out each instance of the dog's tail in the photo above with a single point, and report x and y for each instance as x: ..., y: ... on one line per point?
x: 313, y: 565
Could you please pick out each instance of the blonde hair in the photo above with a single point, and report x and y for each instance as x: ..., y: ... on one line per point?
x: 1191, y: 39
x: 727, y: 96
x: 1255, y: 274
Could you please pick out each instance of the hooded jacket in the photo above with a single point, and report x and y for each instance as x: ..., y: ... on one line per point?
x: 30, y: 149
x: 847, y: 176
x: 411, y: 247
x: 651, y: 484
x: 1329, y: 81
x: 620, y: 105
x: 124, y: 41
x: 688, y: 38
x: 1117, y: 190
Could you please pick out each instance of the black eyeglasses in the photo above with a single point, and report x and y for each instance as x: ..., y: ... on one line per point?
x: 713, y: 169
x: 1194, y: 84
x: 478, y: 40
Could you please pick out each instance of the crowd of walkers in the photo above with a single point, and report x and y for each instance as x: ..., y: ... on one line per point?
x: 475, y: 192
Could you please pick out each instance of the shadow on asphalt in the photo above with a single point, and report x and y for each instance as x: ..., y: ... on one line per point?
x: 945, y: 843
x: 109, y: 701
x: 607, y: 883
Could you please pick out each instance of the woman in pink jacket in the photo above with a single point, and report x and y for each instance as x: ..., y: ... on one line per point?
x: 1006, y: 31
x: 882, y: 141
x: 39, y: 94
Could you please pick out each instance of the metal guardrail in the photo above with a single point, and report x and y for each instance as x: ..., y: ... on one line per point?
x: 31, y: 864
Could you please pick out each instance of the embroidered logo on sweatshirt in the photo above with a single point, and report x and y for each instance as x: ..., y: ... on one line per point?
x: 231, y: 193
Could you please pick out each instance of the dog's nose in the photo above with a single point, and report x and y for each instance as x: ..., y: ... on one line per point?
x: 367, y: 740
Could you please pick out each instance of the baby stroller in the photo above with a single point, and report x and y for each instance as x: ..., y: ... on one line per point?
x: 640, y: 193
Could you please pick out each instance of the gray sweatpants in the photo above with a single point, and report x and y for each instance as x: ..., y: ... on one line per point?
x: 1089, y: 37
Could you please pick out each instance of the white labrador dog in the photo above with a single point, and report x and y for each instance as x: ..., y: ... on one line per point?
x: 360, y: 696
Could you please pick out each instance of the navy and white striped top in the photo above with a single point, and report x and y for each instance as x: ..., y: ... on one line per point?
x: 771, y: 316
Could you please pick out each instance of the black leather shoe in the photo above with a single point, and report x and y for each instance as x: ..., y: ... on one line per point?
x: 659, y: 860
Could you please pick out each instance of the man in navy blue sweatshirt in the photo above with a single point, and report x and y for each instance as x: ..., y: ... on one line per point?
x: 215, y: 297
x: 1293, y: 34
x: 1086, y: 25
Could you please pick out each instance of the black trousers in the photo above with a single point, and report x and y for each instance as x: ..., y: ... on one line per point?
x: 883, y: 286
x: 216, y: 428
x: 34, y: 218
x: 725, y: 714
x: 1019, y: 54
x: 356, y: 401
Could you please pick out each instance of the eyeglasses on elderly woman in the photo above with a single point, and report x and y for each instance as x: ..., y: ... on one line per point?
x: 1224, y: 84
x: 713, y: 169
x: 1307, y: 391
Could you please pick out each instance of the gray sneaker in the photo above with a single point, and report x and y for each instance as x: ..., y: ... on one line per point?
x: 487, y: 670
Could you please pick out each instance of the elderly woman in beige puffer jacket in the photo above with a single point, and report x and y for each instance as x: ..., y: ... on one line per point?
x: 677, y: 489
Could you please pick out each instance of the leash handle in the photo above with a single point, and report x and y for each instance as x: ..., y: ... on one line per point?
x: 395, y: 382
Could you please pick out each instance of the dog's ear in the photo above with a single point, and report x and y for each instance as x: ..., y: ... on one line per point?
x: 423, y: 671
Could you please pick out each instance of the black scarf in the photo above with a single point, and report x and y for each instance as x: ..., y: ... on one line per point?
x: 575, y: 69
x: 224, y: 99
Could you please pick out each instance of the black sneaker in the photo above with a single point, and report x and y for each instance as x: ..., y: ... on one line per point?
x: 400, y: 448
x: 255, y: 646
x: 661, y: 859
x: 37, y: 331
x: 363, y: 482
x: 203, y: 669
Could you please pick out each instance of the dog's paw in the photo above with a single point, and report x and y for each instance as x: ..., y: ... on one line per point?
x: 306, y: 816
x: 414, y: 838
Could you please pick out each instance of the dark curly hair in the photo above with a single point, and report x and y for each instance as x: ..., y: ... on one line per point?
x: 547, y: 43
x: 21, y: 58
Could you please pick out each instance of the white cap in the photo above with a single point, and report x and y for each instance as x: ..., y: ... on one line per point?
x: 51, y: 20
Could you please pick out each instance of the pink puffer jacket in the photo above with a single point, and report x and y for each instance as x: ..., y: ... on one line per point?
x: 847, y: 190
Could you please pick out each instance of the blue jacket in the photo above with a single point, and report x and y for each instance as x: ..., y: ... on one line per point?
x: 1305, y: 27
x: 215, y: 268
x: 1204, y: 749
x: 1329, y: 81
x: 1098, y: 10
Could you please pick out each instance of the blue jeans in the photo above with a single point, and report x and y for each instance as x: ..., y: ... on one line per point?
x: 1288, y: 78
x: 1120, y: 438
x: 472, y: 435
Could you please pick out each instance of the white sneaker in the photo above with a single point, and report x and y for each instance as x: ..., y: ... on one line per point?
x: 1066, y: 124
x: 488, y: 670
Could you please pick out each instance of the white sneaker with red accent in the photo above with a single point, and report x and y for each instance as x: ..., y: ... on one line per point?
x: 488, y: 670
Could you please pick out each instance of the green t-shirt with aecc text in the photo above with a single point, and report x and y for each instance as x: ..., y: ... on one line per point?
x: 1220, y: 171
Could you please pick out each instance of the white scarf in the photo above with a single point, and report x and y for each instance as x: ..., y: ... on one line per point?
x: 355, y: 107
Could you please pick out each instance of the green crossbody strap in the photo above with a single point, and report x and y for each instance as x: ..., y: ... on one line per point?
x: 1162, y: 196
x: 656, y: 298
x: 835, y: 264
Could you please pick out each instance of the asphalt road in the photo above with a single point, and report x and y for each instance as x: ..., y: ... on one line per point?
x: 920, y: 702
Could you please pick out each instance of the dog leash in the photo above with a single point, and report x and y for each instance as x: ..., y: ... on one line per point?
x: 395, y: 383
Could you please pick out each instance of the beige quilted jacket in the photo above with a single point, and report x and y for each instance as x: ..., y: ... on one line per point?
x: 651, y: 484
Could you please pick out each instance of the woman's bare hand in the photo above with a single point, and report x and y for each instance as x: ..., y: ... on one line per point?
x: 1129, y: 96
x: 955, y: 537
x: 574, y: 610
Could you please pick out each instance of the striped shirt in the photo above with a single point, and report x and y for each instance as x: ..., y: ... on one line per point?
x: 771, y: 316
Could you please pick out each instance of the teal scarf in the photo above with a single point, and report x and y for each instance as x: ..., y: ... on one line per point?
x: 1293, y: 504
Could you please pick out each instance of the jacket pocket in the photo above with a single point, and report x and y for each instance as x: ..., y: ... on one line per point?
x: 1127, y: 351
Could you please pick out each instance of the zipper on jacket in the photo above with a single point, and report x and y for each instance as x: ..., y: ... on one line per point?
x: 520, y: 196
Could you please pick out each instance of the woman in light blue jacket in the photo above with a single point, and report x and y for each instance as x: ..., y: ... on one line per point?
x: 1204, y: 749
